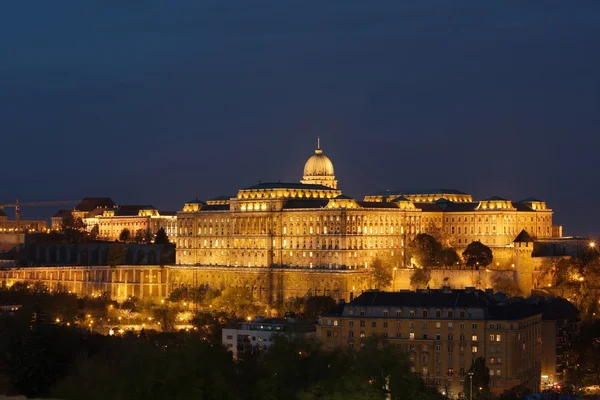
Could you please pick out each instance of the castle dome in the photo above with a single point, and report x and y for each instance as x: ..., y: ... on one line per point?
x: 319, y: 169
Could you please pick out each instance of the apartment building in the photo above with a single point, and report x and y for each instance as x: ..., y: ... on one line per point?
x: 443, y: 331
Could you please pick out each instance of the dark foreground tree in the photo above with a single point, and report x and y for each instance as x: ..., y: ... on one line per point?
x: 161, y: 237
x: 116, y: 254
x: 480, y: 381
x: 478, y: 255
x: 125, y: 235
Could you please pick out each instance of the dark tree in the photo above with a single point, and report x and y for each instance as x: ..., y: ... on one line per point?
x: 316, y: 306
x: 94, y: 232
x: 139, y: 236
x: 72, y: 228
x: 478, y: 254
x: 420, y: 277
x: 125, y: 235
x: 381, y: 273
x: 161, y: 237
x: 447, y: 257
x: 481, y: 380
x: 148, y: 236
x: 424, y: 248
x: 116, y: 254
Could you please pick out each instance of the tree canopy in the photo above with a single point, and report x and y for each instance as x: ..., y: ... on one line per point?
x: 125, y: 235
x: 423, y: 249
x: 478, y: 254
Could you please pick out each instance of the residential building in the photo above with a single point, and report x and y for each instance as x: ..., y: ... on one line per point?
x: 443, y: 331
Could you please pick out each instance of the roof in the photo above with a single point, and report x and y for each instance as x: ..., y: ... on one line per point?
x: 455, y: 298
x: 523, y: 237
x: 305, y: 203
x: 218, y: 198
x: 495, y: 198
x: 447, y: 206
x: 62, y: 214
x: 399, y: 198
x: 168, y: 213
x: 522, y: 206
x: 430, y: 298
x: 287, y: 185
x: 343, y: 197
x: 419, y: 191
x: 376, y: 204
x: 2, y: 213
x: 530, y: 200
x: 90, y: 203
x: 517, y: 310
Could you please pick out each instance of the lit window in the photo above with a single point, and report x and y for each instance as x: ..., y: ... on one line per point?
x: 411, y: 335
x: 474, y: 338
x: 473, y: 349
x: 498, y: 338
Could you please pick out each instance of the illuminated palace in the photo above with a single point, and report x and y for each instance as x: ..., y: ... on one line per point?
x: 312, y: 224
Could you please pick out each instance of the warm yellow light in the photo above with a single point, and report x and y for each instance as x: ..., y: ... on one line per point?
x: 119, y: 318
x: 549, y: 285
x: 581, y: 279
x: 185, y: 303
x: 249, y: 318
x: 58, y: 320
x: 592, y: 244
x: 110, y: 306
x: 89, y: 316
x: 163, y: 301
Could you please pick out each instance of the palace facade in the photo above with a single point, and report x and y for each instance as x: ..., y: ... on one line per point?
x: 312, y: 224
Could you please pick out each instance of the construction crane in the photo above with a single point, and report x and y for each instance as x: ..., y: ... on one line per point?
x: 17, y: 205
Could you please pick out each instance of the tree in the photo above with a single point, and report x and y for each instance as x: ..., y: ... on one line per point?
x: 480, y: 381
x: 238, y: 301
x: 116, y: 254
x: 423, y: 248
x: 447, y: 257
x: 94, y: 232
x: 161, y: 237
x: 72, y: 228
x: 420, y: 277
x: 139, y: 236
x: 316, y: 306
x: 478, y: 254
x: 148, y: 236
x: 506, y: 285
x: 381, y: 273
x: 125, y: 235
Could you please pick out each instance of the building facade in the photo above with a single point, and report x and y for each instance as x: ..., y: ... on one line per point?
x: 443, y: 332
x: 312, y: 224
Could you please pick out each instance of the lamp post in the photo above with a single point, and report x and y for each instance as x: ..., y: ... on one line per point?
x: 394, y: 279
x: 471, y: 379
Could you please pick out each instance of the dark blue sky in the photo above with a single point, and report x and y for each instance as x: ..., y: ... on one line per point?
x: 162, y: 101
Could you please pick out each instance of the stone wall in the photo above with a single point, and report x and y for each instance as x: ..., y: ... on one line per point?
x: 156, y: 282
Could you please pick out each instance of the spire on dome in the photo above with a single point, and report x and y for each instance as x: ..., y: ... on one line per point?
x: 318, y: 150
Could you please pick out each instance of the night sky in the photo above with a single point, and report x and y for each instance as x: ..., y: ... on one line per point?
x: 160, y: 102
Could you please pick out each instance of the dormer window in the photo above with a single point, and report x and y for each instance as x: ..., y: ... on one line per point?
x: 351, y: 311
x: 398, y: 312
x: 362, y: 311
x: 386, y: 312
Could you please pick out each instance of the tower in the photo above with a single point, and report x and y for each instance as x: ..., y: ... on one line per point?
x: 523, y: 245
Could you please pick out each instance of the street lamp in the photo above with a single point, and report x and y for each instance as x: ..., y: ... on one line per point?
x: 471, y: 379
